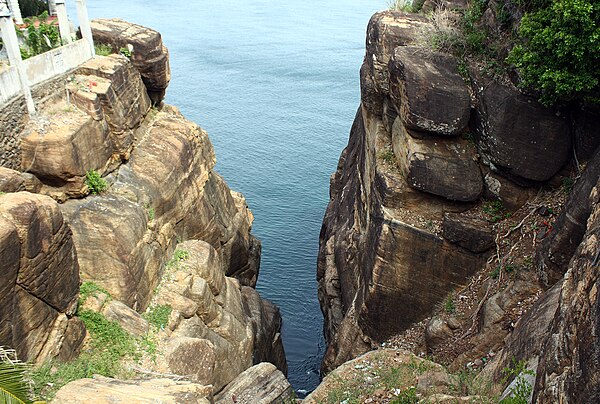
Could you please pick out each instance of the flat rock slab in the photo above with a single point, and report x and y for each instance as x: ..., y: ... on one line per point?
x: 103, y: 390
x: 519, y: 136
x: 444, y: 167
x: 470, y: 232
x: 260, y: 384
x: 428, y: 91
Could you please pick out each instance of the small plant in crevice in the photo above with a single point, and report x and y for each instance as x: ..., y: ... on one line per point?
x: 495, y: 211
x: 449, y: 306
x: 88, y: 289
x: 95, y: 182
x: 103, y: 49
x: 126, y: 51
x: 388, y: 156
x: 567, y: 184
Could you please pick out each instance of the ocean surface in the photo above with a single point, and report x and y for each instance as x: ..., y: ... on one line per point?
x: 276, y: 85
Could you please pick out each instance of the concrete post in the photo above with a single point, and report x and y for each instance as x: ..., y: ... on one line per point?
x: 9, y: 37
x: 63, y: 22
x: 52, y: 7
x: 84, y: 24
x: 16, y: 11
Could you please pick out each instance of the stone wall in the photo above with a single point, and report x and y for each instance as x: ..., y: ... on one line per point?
x: 14, y: 117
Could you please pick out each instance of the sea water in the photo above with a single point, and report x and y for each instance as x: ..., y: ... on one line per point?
x: 276, y: 85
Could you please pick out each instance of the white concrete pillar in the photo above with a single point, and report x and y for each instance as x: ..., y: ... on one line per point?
x: 84, y: 24
x: 9, y: 37
x: 63, y: 22
x: 15, y: 10
x: 52, y: 7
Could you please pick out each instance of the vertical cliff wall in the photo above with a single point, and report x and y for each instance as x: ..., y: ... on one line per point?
x: 409, y: 218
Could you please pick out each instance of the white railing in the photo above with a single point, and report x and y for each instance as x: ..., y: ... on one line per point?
x: 21, y: 75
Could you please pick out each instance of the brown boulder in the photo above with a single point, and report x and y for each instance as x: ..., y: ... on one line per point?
x: 149, y: 56
x: 11, y: 180
x: 40, y: 282
x: 192, y: 357
x: 261, y: 384
x: 386, y: 31
x: 129, y: 319
x: 428, y: 91
x: 266, y: 323
x: 520, y: 137
x: 438, y: 166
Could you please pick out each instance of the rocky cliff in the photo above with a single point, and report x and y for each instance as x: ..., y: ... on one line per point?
x: 118, y: 190
x: 446, y: 200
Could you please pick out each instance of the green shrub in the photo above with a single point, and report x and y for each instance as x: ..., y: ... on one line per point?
x: 520, y: 392
x: 95, y: 182
x: 495, y: 211
x: 103, y: 49
x: 559, y: 53
x: 449, y: 306
x: 41, y: 36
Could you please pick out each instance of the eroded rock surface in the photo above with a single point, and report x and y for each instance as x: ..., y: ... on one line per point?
x: 261, y: 384
x: 520, y: 137
x: 169, y: 174
x: 428, y: 92
x: 148, y: 54
x: 40, y: 282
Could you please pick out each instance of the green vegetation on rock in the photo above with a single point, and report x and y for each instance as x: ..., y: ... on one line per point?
x: 158, y: 315
x: 103, y: 49
x: 95, y: 182
x: 559, y: 53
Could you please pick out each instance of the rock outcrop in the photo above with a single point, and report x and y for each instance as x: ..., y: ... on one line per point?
x: 148, y: 54
x: 261, y: 384
x: 157, y: 194
x: 434, y: 160
x: 211, y: 334
x: 39, y: 286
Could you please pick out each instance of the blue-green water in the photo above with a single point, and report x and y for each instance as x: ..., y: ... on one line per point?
x: 276, y: 85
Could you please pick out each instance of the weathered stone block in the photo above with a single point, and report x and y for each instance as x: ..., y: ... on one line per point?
x: 441, y: 167
x: 149, y: 56
x: 386, y: 31
x: 519, y: 136
x: 262, y: 383
x: 428, y: 92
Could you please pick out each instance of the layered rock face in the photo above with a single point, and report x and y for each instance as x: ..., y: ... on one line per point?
x: 161, y: 194
x: 39, y: 286
x: 148, y: 54
x: 403, y: 228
